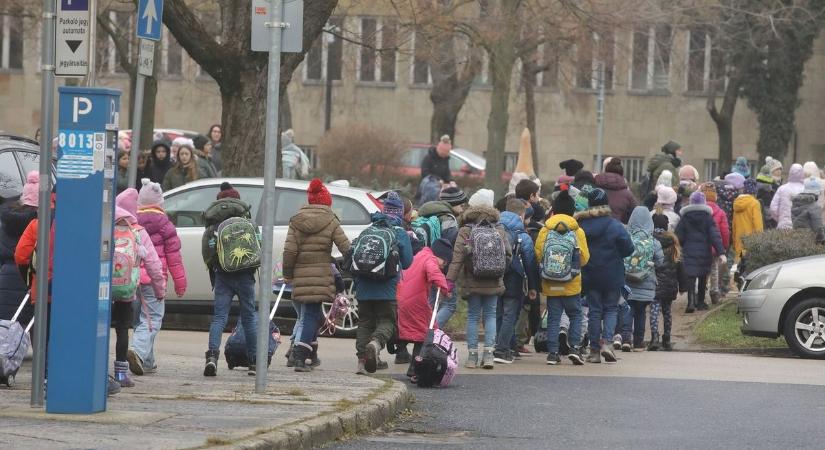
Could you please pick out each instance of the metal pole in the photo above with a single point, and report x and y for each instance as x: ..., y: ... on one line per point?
x: 328, y: 94
x: 91, y: 77
x: 270, y: 168
x: 44, y: 210
x: 600, y: 119
x: 137, y: 116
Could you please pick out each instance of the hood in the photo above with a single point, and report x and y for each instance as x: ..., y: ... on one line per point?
x: 128, y: 200
x: 123, y: 214
x: 810, y: 169
x: 611, y: 181
x: 156, y: 162
x: 658, y: 160
x: 511, y: 221
x: 745, y: 202
x: 476, y: 214
x: 311, y: 219
x: 803, y: 200
x: 381, y: 217
x: 435, y: 208
x: 595, y: 221
x: 640, y: 219
x: 592, y: 213
x: 691, y: 211
x: 557, y: 219
x: 796, y: 174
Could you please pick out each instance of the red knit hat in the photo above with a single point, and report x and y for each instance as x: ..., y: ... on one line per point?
x: 317, y: 194
x: 227, y: 191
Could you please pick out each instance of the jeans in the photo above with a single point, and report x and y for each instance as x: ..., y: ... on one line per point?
x: 296, y: 330
x: 446, y: 307
x: 603, y: 307
x: 507, y: 310
x: 624, y: 321
x: 477, y: 305
x: 560, y: 305
x: 311, y: 316
x: 376, y: 321
x: 639, y: 319
x: 522, y: 333
x: 227, y: 286
x: 149, y: 319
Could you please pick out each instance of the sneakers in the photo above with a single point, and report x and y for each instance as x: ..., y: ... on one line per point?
x: 515, y: 354
x: 639, y: 345
x: 502, y: 357
x: 575, y: 357
x: 617, y: 342
x: 361, y: 369
x: 251, y: 370
x: 472, y: 360
x: 607, y: 354
x: 626, y: 347
x: 112, y: 386
x: 594, y: 357
x: 135, y: 363
x: 211, y: 368
x: 487, y: 358
x: 122, y: 374
x: 315, y: 361
x: 553, y: 359
x: 371, y: 364
x: 564, y: 346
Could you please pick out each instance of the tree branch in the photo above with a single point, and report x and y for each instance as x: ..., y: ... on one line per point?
x: 198, y: 43
x: 121, y: 42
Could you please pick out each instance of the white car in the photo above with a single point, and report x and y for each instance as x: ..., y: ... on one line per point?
x: 185, y: 205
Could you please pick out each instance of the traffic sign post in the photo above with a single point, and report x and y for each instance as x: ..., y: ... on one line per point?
x: 150, y: 15
x: 72, y: 38
x: 79, y: 339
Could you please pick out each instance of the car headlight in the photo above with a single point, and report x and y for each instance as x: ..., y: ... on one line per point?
x: 764, y: 280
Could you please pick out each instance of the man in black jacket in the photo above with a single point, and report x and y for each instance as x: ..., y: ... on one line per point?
x: 437, y: 161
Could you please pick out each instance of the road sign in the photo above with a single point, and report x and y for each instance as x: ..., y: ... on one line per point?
x: 146, y: 57
x: 150, y: 14
x: 292, y: 38
x: 72, y: 39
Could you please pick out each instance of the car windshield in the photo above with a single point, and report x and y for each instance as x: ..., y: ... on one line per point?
x: 474, y: 160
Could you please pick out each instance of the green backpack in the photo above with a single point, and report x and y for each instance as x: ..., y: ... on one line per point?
x: 238, y: 245
x: 125, y: 263
x: 639, y: 266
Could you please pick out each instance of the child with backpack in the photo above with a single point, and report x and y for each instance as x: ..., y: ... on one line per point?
x: 640, y: 272
x: 561, y: 250
x: 481, y: 256
x: 232, y: 253
x: 133, y: 251
x: 721, y: 221
x: 668, y: 281
x: 522, y: 268
x: 699, y: 236
x: 376, y: 260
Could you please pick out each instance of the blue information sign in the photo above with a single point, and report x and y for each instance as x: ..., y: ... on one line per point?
x: 149, y: 19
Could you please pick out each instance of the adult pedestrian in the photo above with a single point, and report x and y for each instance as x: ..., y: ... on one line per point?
x: 668, y: 159
x: 159, y: 161
x: 783, y: 199
x: 700, y: 239
x: 437, y: 161
x: 203, y: 155
x: 619, y: 198
x: 184, y: 171
x: 295, y: 162
x: 215, y: 136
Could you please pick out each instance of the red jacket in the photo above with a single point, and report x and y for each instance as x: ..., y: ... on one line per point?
x: 24, y: 253
x: 414, y: 311
x: 721, y: 220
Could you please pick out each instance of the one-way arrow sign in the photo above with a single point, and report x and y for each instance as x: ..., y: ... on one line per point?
x: 150, y: 15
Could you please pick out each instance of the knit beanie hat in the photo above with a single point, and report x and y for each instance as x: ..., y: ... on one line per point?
x: 597, y: 197
x: 30, y: 189
x: 150, y: 194
x: 453, y: 195
x: 443, y: 249
x: 615, y: 166
x: 750, y: 186
x: 698, y: 198
x: 688, y: 172
x: 564, y: 203
x: 660, y: 222
x: 393, y: 205
x: 227, y: 191
x: 584, y: 177
x: 736, y: 180
x: 709, y: 189
x: 571, y: 167
x: 564, y: 179
x: 742, y: 167
x: 671, y: 147
x: 317, y: 194
x: 200, y: 141
x: 812, y: 186
x: 483, y: 197
x: 665, y: 195
x: 183, y: 142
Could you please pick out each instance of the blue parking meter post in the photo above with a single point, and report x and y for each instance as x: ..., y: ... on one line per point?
x: 79, y: 337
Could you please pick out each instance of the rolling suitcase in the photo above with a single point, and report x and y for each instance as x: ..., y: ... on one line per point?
x: 235, y: 349
x: 437, y: 363
x: 14, y: 345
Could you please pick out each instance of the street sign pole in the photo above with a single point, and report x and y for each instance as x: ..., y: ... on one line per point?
x: 600, y: 119
x: 276, y: 27
x: 44, y: 202
x: 91, y: 77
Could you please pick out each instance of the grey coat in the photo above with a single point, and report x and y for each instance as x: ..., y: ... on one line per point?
x: 641, y: 222
x: 806, y: 212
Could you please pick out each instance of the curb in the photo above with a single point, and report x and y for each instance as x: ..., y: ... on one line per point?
x: 360, y: 418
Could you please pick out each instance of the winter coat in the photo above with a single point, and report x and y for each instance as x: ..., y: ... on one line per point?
x: 661, y: 162
x: 699, y: 237
x: 206, y: 168
x: 165, y: 238
x: 645, y: 290
x: 461, y: 265
x: 608, y: 243
x: 725, y: 196
x: 672, y: 217
x: 619, y: 197
x: 721, y: 221
x: 432, y: 164
x: 783, y: 200
x: 175, y: 178
x: 149, y: 259
x: 445, y: 213
x: 414, y: 310
x: 574, y: 286
x: 122, y: 180
x: 806, y: 212
x: 24, y: 253
x: 308, y: 253
x: 156, y: 170
x: 524, y: 264
x: 13, y: 222
x: 766, y: 188
x: 747, y: 220
x: 386, y: 290
x: 669, y: 273
x: 216, y: 213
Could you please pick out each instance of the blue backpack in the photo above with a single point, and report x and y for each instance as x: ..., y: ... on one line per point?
x: 561, y: 257
x: 429, y: 189
x: 427, y: 229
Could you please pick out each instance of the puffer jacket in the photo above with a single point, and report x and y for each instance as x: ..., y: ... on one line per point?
x: 641, y: 222
x: 308, y: 253
x: 524, y: 264
x: 126, y: 210
x: 766, y: 189
x: 699, y: 237
x: 165, y: 238
x: 725, y: 196
x: 669, y: 273
x: 661, y: 162
x: 206, y: 168
x: 367, y: 290
x: 721, y: 221
x: 414, y: 310
x: 747, y: 220
x: 24, y: 254
x: 445, y: 213
x: 461, y: 265
x: 619, y: 197
x: 13, y: 222
x: 574, y: 286
x: 806, y: 212
x: 609, y: 243
x: 783, y: 200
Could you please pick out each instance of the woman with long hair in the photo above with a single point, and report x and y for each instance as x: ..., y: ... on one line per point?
x: 184, y: 171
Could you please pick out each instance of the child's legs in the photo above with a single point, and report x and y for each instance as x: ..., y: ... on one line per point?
x: 488, y: 306
x: 311, y: 317
x: 668, y: 316
x: 507, y: 309
x: 416, y: 351
x: 296, y: 330
x: 522, y: 324
x: 573, y: 310
x: 220, y: 315
x: 150, y: 319
x: 654, y: 316
x: 473, y: 316
x: 639, y: 319
x: 121, y: 321
x: 446, y: 306
x: 702, y: 286
x: 625, y: 320
x: 555, y: 308
x: 244, y: 286
x: 366, y: 325
x: 385, y: 322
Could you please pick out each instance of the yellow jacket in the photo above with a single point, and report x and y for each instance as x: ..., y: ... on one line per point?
x: 574, y: 286
x: 747, y: 220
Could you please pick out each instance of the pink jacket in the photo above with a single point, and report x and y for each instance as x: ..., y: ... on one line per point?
x: 414, y: 309
x: 167, y: 244
x: 721, y: 220
x: 149, y: 257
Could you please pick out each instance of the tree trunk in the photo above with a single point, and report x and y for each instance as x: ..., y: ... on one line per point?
x: 724, y: 119
x: 502, y: 60
x: 529, y: 72
x: 243, y: 117
x: 450, y: 89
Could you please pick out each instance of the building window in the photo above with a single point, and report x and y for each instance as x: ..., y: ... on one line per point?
x: 650, y: 65
x: 327, y: 45
x: 705, y: 63
x: 592, y: 51
x: 711, y: 169
x: 11, y: 42
x: 421, y: 65
x: 634, y: 167
x: 389, y: 44
x: 314, y: 67
x: 549, y: 78
x: 377, y: 58
x: 172, y: 55
x: 335, y: 49
x: 366, y: 71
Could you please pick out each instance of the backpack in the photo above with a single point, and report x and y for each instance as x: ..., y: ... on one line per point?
x: 125, y: 262
x: 639, y: 266
x: 488, y: 251
x: 374, y: 253
x: 561, y: 260
x: 429, y: 189
x: 339, y: 308
x: 237, y: 245
x: 437, y: 363
x: 427, y: 229
x: 541, y: 341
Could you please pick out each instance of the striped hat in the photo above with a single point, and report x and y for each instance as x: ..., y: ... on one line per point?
x: 453, y: 195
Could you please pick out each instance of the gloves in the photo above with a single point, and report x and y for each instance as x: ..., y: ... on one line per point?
x: 723, y: 259
x: 450, y: 288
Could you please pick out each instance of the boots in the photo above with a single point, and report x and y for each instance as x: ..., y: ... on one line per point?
x: 691, y: 304
x: 122, y: 374
x: 666, y: 345
x: 290, y: 356
x: 300, y: 354
x: 607, y: 353
x: 313, y: 356
x: 714, y: 298
x: 373, y: 349
x: 402, y: 356
x: 211, y: 368
x: 487, y: 358
x: 112, y: 386
x: 654, y: 342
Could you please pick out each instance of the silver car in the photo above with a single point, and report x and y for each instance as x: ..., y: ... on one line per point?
x: 185, y: 206
x: 788, y: 299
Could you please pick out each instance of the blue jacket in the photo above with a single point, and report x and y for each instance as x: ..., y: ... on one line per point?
x: 645, y: 290
x: 698, y: 233
x: 609, y: 243
x: 525, y: 266
x: 365, y: 289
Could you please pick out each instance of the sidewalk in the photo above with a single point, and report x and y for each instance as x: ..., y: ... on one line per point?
x: 179, y: 408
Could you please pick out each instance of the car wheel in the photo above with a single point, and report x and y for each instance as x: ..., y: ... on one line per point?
x: 348, y: 325
x: 804, y: 328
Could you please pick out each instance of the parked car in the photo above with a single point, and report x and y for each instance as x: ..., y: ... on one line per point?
x: 787, y: 299
x: 18, y: 156
x: 185, y: 205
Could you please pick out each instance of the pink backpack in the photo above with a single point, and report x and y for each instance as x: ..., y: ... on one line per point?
x: 437, y: 364
x: 340, y: 307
